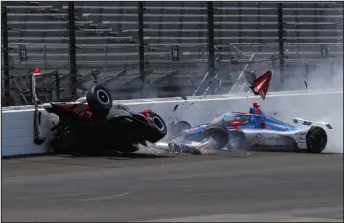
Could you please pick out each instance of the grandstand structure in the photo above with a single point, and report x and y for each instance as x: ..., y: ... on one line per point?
x: 294, y: 39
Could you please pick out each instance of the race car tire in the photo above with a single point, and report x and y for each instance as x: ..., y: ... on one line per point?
x: 316, y: 139
x: 219, y: 134
x: 178, y: 128
x: 160, y: 127
x: 159, y: 123
x: 99, y: 100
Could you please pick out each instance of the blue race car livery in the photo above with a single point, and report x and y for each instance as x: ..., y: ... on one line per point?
x: 240, y: 130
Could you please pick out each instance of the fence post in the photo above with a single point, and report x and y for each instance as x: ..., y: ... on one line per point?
x: 106, y: 58
x: 307, y: 71
x: 57, y: 77
x: 45, y: 56
x: 72, y: 50
x: 211, y: 51
x: 141, y: 43
x: 32, y: 99
x: 280, y: 40
x: 5, y: 51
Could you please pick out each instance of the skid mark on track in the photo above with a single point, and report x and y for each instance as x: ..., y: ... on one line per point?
x: 110, y: 197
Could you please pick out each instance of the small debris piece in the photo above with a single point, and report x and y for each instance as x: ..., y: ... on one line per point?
x: 184, y: 97
x: 175, y: 107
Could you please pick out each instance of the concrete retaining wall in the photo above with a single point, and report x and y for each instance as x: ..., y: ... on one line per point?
x: 17, y: 122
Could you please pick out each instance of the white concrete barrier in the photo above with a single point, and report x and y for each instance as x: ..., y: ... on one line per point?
x: 18, y: 125
x: 17, y: 132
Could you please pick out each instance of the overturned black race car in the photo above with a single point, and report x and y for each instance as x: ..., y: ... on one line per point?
x: 93, y: 124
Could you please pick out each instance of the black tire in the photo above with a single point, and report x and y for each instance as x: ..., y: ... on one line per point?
x: 159, y: 123
x: 178, y: 128
x: 219, y: 134
x: 160, y: 127
x: 99, y: 100
x: 316, y: 139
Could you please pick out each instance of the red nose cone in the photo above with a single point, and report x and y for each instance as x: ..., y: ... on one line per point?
x: 36, y: 71
x: 147, y: 113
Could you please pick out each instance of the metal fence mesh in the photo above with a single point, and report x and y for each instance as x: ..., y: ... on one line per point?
x: 176, y: 58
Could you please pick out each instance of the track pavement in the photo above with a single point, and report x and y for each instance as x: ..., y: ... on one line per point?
x: 236, y: 186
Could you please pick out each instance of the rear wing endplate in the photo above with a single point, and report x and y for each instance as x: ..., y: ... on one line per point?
x: 309, y: 122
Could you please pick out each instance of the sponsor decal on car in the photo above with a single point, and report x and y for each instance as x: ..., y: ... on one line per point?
x: 260, y: 137
x: 257, y: 137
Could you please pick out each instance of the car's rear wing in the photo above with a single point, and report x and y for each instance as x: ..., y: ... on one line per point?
x: 259, y: 85
x: 309, y: 122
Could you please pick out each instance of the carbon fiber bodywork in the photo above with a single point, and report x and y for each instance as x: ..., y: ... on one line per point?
x: 248, y: 131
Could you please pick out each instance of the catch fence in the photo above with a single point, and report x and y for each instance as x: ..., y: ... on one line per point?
x: 157, y: 49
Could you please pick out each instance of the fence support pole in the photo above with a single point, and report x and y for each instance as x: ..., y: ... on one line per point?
x: 5, y: 51
x: 72, y: 50
x: 57, y: 78
x: 280, y: 40
x: 307, y: 71
x: 211, y: 51
x: 141, y: 43
x: 32, y: 98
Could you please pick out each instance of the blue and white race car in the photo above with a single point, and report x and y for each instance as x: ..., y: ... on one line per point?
x: 240, y: 130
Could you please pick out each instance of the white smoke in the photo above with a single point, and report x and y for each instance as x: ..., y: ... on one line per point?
x: 325, y: 109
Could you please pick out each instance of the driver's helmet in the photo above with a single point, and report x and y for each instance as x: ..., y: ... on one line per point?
x: 255, y: 104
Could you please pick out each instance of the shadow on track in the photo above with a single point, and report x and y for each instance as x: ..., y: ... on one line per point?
x: 102, y: 154
x: 118, y: 155
x: 288, y: 151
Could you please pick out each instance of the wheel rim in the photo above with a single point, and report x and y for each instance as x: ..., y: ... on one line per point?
x: 103, y: 97
x: 158, y: 123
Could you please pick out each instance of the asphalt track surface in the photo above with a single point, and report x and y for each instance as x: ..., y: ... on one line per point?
x: 236, y: 186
